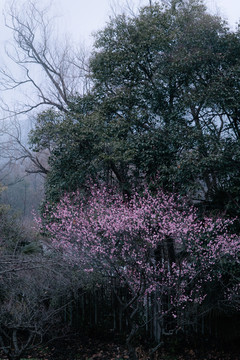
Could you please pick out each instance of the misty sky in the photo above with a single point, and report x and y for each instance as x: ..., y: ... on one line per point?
x: 79, y: 18
x: 82, y: 17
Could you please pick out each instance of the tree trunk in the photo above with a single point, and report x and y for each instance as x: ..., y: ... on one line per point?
x: 130, y: 346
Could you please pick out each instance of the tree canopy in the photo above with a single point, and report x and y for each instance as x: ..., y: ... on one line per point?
x: 163, y: 102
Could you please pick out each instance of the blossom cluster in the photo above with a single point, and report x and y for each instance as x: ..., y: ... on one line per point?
x: 152, y: 243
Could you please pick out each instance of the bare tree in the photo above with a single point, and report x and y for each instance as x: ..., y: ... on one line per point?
x: 15, y: 149
x: 42, y: 71
x: 17, y: 162
x: 48, y: 72
x: 34, y: 292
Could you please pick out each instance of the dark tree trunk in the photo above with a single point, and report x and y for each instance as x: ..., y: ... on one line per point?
x: 130, y: 346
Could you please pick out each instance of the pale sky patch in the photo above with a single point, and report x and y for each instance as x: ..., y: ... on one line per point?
x: 79, y: 19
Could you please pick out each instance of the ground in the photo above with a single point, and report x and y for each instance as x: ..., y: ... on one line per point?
x: 79, y: 347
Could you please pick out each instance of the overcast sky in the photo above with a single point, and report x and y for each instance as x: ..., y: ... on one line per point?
x: 82, y: 17
x: 79, y: 18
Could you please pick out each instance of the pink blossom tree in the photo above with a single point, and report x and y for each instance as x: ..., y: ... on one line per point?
x: 153, y: 244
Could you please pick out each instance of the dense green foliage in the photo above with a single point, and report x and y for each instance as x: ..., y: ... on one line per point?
x: 164, y: 103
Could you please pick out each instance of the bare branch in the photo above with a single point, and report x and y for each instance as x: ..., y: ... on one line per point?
x: 52, y: 72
